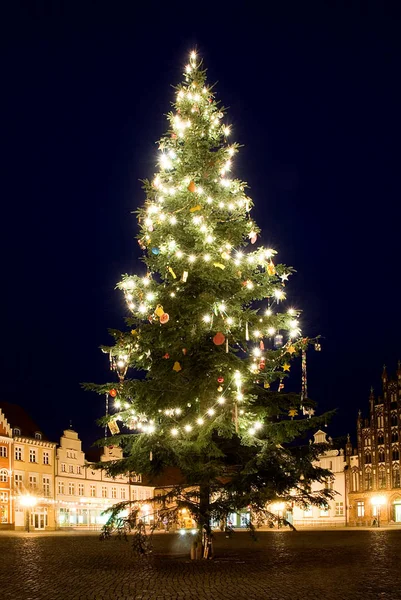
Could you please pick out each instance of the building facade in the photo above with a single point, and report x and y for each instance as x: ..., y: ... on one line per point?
x: 83, y: 493
x: 373, y: 473
x: 31, y: 472
x: 6, y: 448
x: 336, y: 513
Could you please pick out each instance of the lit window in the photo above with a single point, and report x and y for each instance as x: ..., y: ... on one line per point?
x: 324, y: 512
x: 46, y: 486
x: 3, y: 451
x: 122, y: 493
x: 308, y: 512
x: 360, y: 508
x: 104, y: 492
x: 339, y: 509
x: 114, y: 492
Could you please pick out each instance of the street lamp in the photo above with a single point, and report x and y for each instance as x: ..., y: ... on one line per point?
x: 28, y: 502
x: 378, y: 502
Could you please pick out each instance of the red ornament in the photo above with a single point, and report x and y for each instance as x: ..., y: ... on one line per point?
x: 261, y: 345
x: 184, y: 351
x: 219, y: 339
x: 174, y: 136
x: 167, y: 355
x: 192, y: 187
x: 220, y: 379
x: 164, y: 318
x: 262, y: 365
x: 113, y: 393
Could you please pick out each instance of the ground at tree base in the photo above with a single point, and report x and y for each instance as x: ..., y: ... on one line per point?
x: 281, y: 565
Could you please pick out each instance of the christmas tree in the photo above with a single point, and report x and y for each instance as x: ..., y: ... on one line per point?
x: 209, y: 343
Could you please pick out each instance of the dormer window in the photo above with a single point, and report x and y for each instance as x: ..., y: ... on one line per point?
x: 38, y: 435
x: 17, y: 431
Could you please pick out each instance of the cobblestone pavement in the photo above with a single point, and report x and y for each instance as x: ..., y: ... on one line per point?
x: 281, y: 565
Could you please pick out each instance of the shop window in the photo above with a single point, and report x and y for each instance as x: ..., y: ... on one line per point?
x: 360, y: 508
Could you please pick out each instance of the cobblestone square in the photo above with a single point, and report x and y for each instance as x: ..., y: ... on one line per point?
x: 280, y: 565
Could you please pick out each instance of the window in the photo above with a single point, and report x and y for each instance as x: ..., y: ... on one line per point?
x: 324, y: 512
x: 17, y: 431
x: 104, y: 492
x: 360, y: 508
x: 114, y: 492
x: 61, y: 487
x: 3, y: 496
x: 394, y: 419
x: 3, y: 451
x: 381, y: 456
x: 81, y: 489
x: 368, y: 480
x: 33, y: 482
x: 63, y: 468
x: 382, y: 478
x: 70, y: 468
x: 394, y: 436
x: 396, y: 478
x: 46, y: 486
x: 71, y: 489
x: 396, y: 454
x: 93, y: 491
x: 18, y: 453
x: 46, y: 458
x: 368, y: 458
x: 308, y: 512
x: 3, y: 476
x: 380, y: 422
x: 18, y: 481
x: 339, y: 509
x: 79, y: 470
x: 136, y: 478
x: 122, y: 493
x: 32, y: 455
x: 380, y: 438
x: 355, y: 481
x: 38, y: 435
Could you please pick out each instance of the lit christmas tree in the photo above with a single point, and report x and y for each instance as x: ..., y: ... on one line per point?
x: 210, y: 330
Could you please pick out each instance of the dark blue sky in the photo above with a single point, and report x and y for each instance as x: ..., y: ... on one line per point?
x: 313, y: 95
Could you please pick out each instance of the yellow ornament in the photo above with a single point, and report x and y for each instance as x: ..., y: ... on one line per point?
x: 159, y: 310
x: 292, y: 412
x: 266, y: 385
x: 170, y: 270
x: 271, y: 268
x: 134, y: 332
x: 291, y: 350
x: 177, y: 367
x: 219, y: 266
x: 195, y: 208
x: 286, y: 367
x: 192, y: 187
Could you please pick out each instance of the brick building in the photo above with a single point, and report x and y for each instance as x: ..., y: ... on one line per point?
x: 373, y: 473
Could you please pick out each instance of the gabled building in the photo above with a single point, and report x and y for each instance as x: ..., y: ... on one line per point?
x: 32, y: 471
x: 373, y: 475
x: 6, y: 448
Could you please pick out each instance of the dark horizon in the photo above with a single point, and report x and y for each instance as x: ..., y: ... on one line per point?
x: 313, y: 96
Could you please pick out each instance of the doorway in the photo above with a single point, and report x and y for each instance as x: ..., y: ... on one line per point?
x: 39, y: 518
x: 397, y: 513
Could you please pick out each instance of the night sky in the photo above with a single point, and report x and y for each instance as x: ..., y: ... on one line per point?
x: 314, y: 97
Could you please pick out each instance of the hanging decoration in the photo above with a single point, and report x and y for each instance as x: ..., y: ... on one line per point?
x: 195, y: 208
x: 184, y: 351
x: 170, y: 270
x: 219, y: 339
x: 167, y: 355
x: 177, y: 367
x: 286, y: 367
x: 247, y: 331
x: 318, y: 347
x: 155, y: 251
x: 114, y: 428
x: 292, y: 412
x: 271, y: 270
x: 220, y: 380
x: 159, y: 311
x: 164, y: 318
x: 113, y: 393
x: 192, y: 187
x: 184, y: 276
x: 278, y: 340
